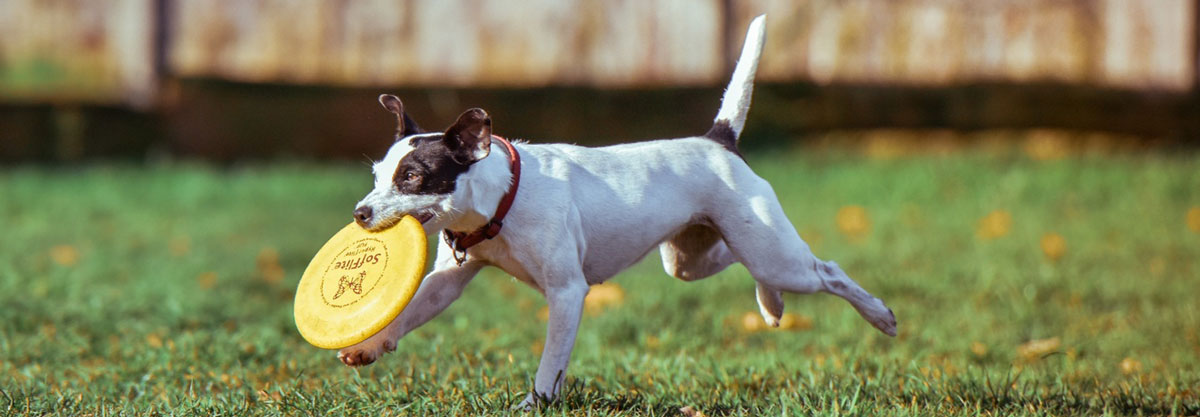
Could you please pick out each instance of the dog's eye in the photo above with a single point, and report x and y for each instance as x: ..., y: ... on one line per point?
x: 412, y: 176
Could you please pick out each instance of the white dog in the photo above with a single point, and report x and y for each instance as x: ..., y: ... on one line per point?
x: 582, y: 215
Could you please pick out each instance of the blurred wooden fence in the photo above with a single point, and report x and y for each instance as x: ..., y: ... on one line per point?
x: 118, y: 51
x: 78, y: 50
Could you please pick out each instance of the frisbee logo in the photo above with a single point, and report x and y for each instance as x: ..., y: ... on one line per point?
x: 357, y: 263
x: 353, y: 273
x: 355, y: 284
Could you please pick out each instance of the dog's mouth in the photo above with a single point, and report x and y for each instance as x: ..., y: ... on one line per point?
x: 422, y: 216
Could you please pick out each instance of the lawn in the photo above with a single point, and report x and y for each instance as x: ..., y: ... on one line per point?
x: 1060, y: 287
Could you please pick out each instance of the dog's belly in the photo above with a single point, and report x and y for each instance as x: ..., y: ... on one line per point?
x: 611, y: 251
x: 600, y: 267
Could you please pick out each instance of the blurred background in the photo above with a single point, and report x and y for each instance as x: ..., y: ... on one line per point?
x: 1018, y: 179
x: 239, y: 79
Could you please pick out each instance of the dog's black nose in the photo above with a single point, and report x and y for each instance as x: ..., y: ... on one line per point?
x: 362, y: 215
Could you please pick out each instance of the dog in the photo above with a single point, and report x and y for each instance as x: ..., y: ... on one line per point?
x: 582, y: 215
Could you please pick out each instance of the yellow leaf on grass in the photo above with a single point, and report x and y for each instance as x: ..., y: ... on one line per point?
x: 752, y: 322
x: 979, y: 349
x: 1193, y: 219
x: 795, y: 322
x: 65, y: 255
x: 268, y: 265
x: 179, y: 245
x: 603, y: 296
x: 1036, y: 349
x: 994, y: 225
x: 853, y: 221
x: 1157, y: 266
x: 154, y: 340
x: 207, y: 280
x: 48, y: 330
x: 1130, y: 366
x: 1054, y: 246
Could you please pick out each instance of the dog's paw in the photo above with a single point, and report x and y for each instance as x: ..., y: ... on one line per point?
x: 532, y: 402
x: 885, y: 321
x: 526, y: 405
x: 367, y: 351
x: 879, y: 315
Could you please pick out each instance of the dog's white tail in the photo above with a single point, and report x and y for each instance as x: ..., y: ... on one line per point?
x: 727, y: 127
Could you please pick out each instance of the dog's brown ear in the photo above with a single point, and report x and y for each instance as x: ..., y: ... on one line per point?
x: 470, y: 138
x: 393, y: 104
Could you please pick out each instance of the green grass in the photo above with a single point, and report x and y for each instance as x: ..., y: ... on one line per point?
x: 139, y: 290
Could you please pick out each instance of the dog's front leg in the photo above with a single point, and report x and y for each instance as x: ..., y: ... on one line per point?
x: 440, y: 288
x: 566, y: 307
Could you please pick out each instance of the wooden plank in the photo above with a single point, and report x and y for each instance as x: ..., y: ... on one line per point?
x: 450, y: 42
x: 1131, y: 44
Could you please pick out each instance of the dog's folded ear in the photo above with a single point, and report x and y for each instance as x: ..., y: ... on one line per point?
x: 404, y: 124
x: 470, y: 138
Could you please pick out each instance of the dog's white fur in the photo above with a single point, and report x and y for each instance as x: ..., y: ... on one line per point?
x: 582, y: 215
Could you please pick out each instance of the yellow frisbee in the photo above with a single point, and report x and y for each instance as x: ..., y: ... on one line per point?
x: 358, y: 282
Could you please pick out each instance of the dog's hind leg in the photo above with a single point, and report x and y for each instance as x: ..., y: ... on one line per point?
x: 699, y: 252
x: 762, y: 238
x: 770, y: 304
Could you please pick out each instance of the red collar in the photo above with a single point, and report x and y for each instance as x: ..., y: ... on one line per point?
x: 460, y: 241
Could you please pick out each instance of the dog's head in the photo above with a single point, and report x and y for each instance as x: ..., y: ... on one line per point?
x: 420, y: 174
